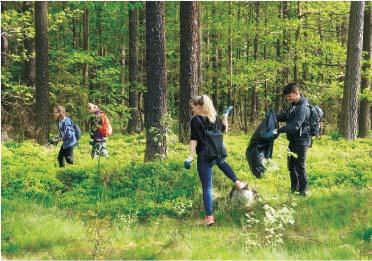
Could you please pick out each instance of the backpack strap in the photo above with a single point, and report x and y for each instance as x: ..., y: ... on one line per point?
x: 205, y: 127
x: 201, y: 122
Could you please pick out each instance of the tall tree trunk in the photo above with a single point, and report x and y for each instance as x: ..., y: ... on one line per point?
x: 143, y: 76
x: 4, y: 50
x: 221, y: 100
x: 80, y: 38
x: 42, y: 89
x: 214, y: 60
x: 156, y: 95
x: 99, y: 28
x: 75, y: 35
x: 189, y: 63
x: 86, y: 47
x: 297, y: 37
x: 254, y: 96
x: 206, y: 62
x: 4, y: 47
x: 4, y: 39
x: 305, y: 39
x: 265, y: 57
x: 230, y: 58
x: 349, y: 127
x: 244, y: 92
x: 85, y: 89
x: 133, y: 95
x: 286, y: 36
x: 29, y: 73
x: 123, y: 68
x: 278, y: 96
x: 100, y: 49
x: 234, y: 99
x: 364, y: 114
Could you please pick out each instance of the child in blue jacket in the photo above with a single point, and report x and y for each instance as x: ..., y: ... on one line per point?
x: 66, y: 134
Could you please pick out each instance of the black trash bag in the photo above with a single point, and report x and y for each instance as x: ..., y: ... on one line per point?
x: 261, y: 144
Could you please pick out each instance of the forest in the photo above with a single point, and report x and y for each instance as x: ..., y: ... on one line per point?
x: 141, y: 63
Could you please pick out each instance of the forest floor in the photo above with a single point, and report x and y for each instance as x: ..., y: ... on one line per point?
x: 125, y: 209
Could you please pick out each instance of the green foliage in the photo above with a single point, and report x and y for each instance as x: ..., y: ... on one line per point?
x: 313, y: 40
x: 131, y: 188
x: 53, y: 213
x: 125, y: 209
x: 151, y: 210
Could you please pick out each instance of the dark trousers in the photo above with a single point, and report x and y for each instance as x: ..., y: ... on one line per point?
x: 67, y: 154
x: 205, y: 175
x: 297, y: 167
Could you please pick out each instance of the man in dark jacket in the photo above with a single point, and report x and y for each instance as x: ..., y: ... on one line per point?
x: 297, y: 128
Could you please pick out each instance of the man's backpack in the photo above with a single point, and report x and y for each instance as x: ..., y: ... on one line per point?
x: 77, y: 131
x: 316, y: 115
x: 215, y: 148
x: 106, y: 129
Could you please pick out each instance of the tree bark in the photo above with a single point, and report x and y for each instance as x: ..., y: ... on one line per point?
x: 364, y: 114
x: 189, y: 63
x: 278, y: 96
x: 230, y: 59
x: 206, y: 62
x: 156, y: 95
x: 297, y: 38
x: 214, y: 60
x: 86, y: 47
x: 42, y: 77
x: 142, y: 61
x: 133, y: 95
x: 254, y: 96
x: 349, y: 127
x: 4, y: 48
x: 29, y: 73
x: 75, y: 39
x: 99, y: 10
x: 286, y: 36
x: 244, y: 93
x: 85, y: 44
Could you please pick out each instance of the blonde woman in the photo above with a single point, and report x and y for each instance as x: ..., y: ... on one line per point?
x: 204, y: 114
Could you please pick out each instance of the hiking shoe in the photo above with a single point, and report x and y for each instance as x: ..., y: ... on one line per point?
x: 240, y: 185
x: 303, y: 193
x: 209, y: 220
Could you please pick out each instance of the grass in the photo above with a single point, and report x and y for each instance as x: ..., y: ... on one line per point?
x: 334, y: 222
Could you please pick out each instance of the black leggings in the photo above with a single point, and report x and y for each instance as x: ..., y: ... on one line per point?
x: 67, y: 154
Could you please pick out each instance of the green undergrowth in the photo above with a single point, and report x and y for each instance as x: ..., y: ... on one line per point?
x: 153, y: 210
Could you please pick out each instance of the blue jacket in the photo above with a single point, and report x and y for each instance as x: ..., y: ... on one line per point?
x: 67, y: 132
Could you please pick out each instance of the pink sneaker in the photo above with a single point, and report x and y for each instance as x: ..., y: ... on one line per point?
x: 209, y: 220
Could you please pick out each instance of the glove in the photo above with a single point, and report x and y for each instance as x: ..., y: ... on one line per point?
x: 187, y: 163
